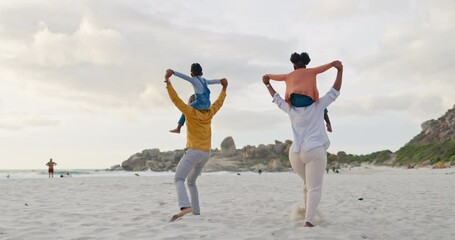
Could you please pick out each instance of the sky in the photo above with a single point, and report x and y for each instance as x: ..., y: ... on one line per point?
x: 81, y: 82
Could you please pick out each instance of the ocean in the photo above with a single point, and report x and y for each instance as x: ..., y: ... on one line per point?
x: 82, y: 173
x: 42, y: 173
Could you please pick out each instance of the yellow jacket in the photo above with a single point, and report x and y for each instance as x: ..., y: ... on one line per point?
x: 198, y: 122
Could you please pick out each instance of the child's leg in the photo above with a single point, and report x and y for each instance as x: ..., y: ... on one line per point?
x: 179, y: 126
x: 327, y: 121
x: 182, y: 119
x: 191, y: 100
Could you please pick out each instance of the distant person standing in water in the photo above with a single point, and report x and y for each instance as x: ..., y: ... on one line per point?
x: 198, y: 145
x: 51, y: 165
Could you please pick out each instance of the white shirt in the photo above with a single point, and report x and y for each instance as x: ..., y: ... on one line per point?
x: 307, y: 123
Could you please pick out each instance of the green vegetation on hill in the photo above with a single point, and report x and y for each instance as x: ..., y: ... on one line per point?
x: 428, y: 153
x: 373, y: 158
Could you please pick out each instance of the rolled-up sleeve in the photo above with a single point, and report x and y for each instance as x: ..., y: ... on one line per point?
x: 329, y: 97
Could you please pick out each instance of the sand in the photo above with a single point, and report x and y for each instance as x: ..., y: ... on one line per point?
x: 396, y: 204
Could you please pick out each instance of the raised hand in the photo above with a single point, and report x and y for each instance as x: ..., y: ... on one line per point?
x: 338, y: 65
x: 266, y: 79
x: 168, y: 74
x: 224, y: 82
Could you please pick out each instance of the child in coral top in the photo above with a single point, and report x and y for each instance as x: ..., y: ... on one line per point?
x: 301, y: 89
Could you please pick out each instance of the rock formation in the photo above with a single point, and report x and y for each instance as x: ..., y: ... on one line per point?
x: 228, y: 147
x: 440, y: 130
x: 271, y: 157
x: 434, y: 144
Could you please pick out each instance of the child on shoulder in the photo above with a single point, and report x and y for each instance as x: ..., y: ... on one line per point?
x: 201, y: 99
x: 301, y: 89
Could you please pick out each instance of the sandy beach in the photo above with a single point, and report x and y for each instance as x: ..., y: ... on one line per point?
x: 362, y: 203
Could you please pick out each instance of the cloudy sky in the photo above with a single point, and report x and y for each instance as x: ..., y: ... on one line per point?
x: 82, y: 81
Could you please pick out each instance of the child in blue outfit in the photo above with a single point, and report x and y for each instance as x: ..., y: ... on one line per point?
x: 202, y: 92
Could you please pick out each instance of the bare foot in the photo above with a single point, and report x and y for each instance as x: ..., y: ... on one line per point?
x: 183, y: 212
x: 308, y: 224
x: 329, y: 127
x: 177, y: 130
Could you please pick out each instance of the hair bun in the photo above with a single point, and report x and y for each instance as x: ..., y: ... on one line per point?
x: 295, y: 58
x: 305, y: 58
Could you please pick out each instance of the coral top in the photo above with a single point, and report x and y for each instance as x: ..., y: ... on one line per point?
x: 301, y: 81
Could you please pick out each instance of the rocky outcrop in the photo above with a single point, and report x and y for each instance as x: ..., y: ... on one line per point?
x: 152, y: 159
x: 271, y: 157
x: 438, y: 134
x: 435, y: 131
x: 228, y: 147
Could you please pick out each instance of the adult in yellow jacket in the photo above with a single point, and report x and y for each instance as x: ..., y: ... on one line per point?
x: 198, y: 144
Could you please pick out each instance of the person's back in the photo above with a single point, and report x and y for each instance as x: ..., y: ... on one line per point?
x: 199, y: 127
x: 51, y: 165
x: 301, y: 87
x: 197, y: 153
x: 200, y: 86
x: 201, y: 91
x: 301, y: 81
x: 313, y: 117
x: 308, y: 153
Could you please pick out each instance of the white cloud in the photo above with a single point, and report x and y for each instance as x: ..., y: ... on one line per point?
x: 98, y: 62
x: 16, y: 123
x: 88, y: 45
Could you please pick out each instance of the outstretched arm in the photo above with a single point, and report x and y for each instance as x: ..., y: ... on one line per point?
x: 219, y: 102
x: 182, y: 106
x: 277, y: 77
x: 184, y: 77
x: 339, y: 66
x: 324, y: 67
x: 214, y: 81
x: 266, y: 81
x: 283, y: 105
x: 334, y: 92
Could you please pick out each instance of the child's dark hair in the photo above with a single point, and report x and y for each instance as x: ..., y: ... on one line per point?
x: 196, y: 69
x: 300, y: 60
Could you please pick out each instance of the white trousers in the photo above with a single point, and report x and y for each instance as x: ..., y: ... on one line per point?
x: 189, y: 168
x: 310, y: 166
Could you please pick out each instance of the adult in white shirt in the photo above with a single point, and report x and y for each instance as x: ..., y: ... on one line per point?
x: 308, y: 154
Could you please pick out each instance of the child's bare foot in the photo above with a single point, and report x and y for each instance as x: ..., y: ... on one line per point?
x: 308, y: 224
x: 177, y: 130
x: 182, y: 212
x: 329, y: 127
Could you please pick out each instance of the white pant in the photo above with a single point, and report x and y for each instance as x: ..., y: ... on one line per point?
x: 310, y: 167
x: 189, y: 168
